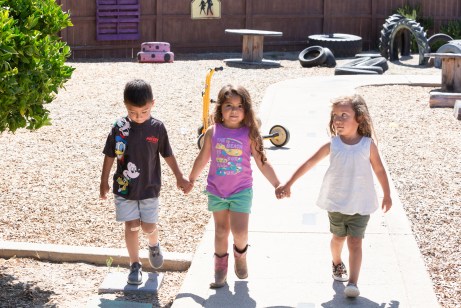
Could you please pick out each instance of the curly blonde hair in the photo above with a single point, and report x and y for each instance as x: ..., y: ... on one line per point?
x: 249, y: 119
x: 362, y: 115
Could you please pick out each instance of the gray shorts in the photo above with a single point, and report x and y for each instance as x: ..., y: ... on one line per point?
x: 146, y: 210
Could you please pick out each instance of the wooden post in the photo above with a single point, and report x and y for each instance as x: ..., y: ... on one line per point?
x: 252, y: 50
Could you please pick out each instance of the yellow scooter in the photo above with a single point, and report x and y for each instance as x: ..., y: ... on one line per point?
x: 278, y: 135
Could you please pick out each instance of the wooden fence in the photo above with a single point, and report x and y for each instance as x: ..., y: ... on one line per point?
x: 170, y: 21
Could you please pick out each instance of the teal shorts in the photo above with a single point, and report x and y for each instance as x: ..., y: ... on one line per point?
x: 239, y: 202
x: 348, y: 225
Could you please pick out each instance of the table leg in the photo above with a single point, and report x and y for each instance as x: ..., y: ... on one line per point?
x: 451, y: 75
x: 252, y: 50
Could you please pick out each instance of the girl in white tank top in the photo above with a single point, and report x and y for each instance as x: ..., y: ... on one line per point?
x: 348, y: 191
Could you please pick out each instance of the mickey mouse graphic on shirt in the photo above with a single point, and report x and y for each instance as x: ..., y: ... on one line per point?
x: 129, y: 174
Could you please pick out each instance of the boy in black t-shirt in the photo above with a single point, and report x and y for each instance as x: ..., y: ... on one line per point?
x: 137, y: 141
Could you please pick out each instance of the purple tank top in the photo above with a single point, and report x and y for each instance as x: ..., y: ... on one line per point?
x: 230, y: 165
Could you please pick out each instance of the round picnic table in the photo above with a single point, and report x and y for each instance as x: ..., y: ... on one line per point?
x: 252, y: 46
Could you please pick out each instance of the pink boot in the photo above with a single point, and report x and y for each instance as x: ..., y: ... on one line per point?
x: 220, y: 271
x: 241, y: 269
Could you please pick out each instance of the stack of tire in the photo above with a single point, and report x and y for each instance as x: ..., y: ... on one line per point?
x: 364, y: 64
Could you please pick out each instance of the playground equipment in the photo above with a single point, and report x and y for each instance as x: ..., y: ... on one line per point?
x: 278, y: 135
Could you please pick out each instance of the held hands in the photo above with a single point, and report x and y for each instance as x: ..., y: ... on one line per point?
x: 184, y: 185
x: 283, y: 191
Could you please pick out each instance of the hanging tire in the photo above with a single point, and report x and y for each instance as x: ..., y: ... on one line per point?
x: 395, y: 27
x: 312, y: 56
x: 341, y: 45
x: 330, y: 58
x: 353, y: 71
x: 447, y: 48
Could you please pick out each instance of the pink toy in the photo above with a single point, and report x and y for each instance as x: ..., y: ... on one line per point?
x: 155, y: 46
x: 155, y: 56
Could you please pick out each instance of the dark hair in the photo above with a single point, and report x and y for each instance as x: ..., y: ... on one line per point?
x: 362, y: 116
x: 249, y: 118
x: 137, y: 93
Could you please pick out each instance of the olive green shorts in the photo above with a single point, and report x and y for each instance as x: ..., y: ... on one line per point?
x: 348, y: 225
x: 239, y: 202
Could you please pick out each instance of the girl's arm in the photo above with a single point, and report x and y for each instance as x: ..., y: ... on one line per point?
x: 380, y: 172
x: 266, y: 169
x: 285, y: 190
x: 203, y: 157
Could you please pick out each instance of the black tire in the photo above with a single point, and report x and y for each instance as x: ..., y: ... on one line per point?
x: 356, y: 61
x: 376, y: 69
x: 200, y: 141
x: 369, y: 55
x: 396, y: 26
x: 312, y: 56
x: 341, y: 45
x: 283, y: 137
x: 447, y: 48
x: 438, y: 40
x: 353, y: 71
x: 330, y: 60
x: 379, y: 61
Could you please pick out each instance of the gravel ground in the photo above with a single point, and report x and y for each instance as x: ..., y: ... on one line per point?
x: 50, y: 192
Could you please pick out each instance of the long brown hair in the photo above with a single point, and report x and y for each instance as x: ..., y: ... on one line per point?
x: 249, y: 118
x: 362, y: 115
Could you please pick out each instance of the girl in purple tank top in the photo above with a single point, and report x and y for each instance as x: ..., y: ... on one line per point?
x: 228, y: 146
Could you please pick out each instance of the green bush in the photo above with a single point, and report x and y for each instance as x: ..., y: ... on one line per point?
x: 452, y: 28
x: 32, y: 61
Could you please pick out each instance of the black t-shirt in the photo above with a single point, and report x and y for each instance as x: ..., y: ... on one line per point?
x: 137, y: 148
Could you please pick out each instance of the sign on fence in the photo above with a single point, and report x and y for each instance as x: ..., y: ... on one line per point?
x: 205, y: 9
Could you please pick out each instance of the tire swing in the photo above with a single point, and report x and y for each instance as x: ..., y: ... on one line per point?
x: 397, y: 27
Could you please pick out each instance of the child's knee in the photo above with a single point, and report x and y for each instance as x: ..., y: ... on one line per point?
x: 133, y: 225
x: 149, y: 229
x: 354, y: 242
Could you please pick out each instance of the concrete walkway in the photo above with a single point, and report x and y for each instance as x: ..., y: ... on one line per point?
x: 289, y: 256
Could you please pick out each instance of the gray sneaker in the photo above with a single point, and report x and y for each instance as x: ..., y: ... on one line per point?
x: 155, y: 256
x: 135, y: 276
x: 351, y: 290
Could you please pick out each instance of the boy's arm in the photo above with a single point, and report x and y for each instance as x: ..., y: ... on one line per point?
x: 306, y: 166
x: 181, y: 182
x: 104, y: 187
x: 380, y: 173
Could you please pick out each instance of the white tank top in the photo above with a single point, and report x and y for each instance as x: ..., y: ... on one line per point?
x: 348, y: 185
